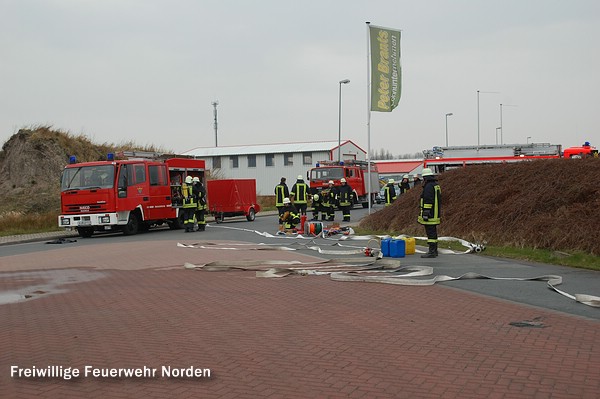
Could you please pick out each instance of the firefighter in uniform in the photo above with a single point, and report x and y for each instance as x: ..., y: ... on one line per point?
x: 328, y: 198
x: 290, y: 216
x: 390, y: 192
x: 299, y: 195
x: 317, y: 206
x: 417, y: 181
x: 345, y: 199
x: 200, y: 194
x: 281, y: 192
x: 189, y: 204
x: 404, y: 185
x: 430, y: 211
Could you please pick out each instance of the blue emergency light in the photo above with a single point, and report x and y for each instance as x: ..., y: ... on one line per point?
x: 72, y: 159
x: 110, y: 156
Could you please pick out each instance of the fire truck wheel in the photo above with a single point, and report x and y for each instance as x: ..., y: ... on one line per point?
x: 85, y: 232
x: 251, y: 215
x: 219, y: 217
x: 133, y: 224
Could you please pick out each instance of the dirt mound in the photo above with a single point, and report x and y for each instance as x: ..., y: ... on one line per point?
x: 552, y: 204
x: 29, y: 166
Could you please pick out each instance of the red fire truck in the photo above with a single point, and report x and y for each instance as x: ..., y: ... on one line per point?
x: 127, y: 195
x: 441, y: 159
x: 355, y: 173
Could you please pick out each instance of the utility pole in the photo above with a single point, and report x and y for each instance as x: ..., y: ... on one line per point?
x: 214, y: 104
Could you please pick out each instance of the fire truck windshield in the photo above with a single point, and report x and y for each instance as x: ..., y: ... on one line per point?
x: 325, y: 173
x: 87, y: 177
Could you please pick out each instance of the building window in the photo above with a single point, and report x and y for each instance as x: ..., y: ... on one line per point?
x: 288, y: 159
x: 216, y: 162
x: 234, y: 162
x: 307, y: 158
x: 252, y: 161
x: 269, y: 159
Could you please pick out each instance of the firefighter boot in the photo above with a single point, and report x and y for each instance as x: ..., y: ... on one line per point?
x: 432, y: 253
x: 201, y: 227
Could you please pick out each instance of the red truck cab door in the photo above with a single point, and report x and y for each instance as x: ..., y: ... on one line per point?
x: 133, y: 188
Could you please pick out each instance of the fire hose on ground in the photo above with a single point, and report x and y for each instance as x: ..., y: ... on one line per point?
x: 373, y: 269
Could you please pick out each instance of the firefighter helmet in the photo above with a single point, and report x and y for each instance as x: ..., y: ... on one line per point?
x: 189, y: 179
x: 300, y: 177
x: 196, y: 179
x: 286, y: 200
x: 405, y: 177
x: 427, y: 172
x: 391, y: 181
x: 316, y: 197
x: 342, y: 180
x: 330, y: 182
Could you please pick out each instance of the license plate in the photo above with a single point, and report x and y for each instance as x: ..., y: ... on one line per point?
x: 84, y: 223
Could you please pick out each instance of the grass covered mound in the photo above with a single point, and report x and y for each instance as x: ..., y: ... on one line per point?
x: 549, y: 204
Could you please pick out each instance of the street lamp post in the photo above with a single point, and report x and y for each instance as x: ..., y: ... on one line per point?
x: 498, y: 128
x: 339, y: 157
x: 214, y: 104
x: 447, y: 115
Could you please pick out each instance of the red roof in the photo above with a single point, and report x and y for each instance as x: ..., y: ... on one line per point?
x: 386, y: 167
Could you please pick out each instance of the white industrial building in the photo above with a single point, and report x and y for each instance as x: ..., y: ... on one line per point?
x: 268, y: 163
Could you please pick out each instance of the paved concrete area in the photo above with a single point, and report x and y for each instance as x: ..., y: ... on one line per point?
x: 135, y: 306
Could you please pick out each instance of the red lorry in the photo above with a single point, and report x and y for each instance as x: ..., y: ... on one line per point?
x: 232, y: 197
x: 356, y: 175
x: 127, y: 195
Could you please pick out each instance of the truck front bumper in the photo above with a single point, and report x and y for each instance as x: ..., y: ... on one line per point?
x: 102, y: 220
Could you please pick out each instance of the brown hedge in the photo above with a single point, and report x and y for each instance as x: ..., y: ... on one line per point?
x: 552, y: 204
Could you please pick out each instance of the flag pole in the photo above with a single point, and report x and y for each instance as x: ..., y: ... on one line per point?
x: 369, y: 117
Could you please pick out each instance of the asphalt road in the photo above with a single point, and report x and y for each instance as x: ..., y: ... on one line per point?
x: 534, y: 293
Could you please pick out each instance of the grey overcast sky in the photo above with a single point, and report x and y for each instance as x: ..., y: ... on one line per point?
x: 148, y: 70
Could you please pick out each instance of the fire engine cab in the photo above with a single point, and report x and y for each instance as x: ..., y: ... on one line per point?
x: 355, y: 173
x: 584, y: 151
x: 128, y: 195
